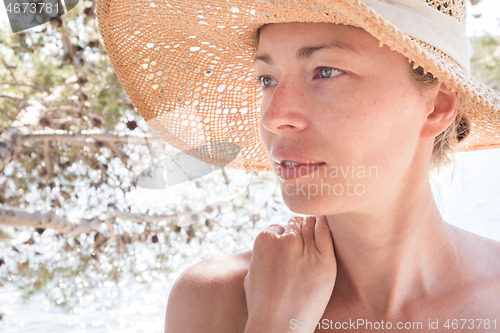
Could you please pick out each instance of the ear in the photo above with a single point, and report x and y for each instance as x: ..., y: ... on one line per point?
x: 443, y: 110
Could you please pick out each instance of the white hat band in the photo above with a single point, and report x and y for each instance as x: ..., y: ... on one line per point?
x: 417, y: 19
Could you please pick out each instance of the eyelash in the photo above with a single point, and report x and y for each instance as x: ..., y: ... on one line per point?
x: 316, y: 75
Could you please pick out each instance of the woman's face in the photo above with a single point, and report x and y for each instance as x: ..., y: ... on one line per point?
x: 344, y: 109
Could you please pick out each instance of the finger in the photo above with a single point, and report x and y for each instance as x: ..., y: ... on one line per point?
x: 295, y: 220
x: 266, y: 238
x: 295, y: 224
x: 275, y: 229
x: 246, y: 281
x: 294, y: 227
x: 323, y: 236
x: 308, y: 231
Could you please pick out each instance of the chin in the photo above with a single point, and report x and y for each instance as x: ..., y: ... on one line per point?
x: 312, y: 204
x: 323, y: 196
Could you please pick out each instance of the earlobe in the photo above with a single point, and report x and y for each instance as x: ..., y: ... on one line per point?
x: 444, y: 111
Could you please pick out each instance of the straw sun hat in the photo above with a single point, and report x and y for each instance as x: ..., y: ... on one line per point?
x: 187, y: 66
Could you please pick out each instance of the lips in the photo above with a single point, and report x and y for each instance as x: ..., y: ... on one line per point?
x: 280, y: 156
x: 290, y: 164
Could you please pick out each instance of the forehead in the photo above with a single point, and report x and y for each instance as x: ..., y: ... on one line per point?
x: 346, y: 47
x: 305, y: 39
x: 313, y: 32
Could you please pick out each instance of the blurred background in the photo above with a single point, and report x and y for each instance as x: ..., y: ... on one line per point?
x: 82, y: 248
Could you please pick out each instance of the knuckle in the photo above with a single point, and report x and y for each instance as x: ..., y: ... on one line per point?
x: 264, y: 238
x: 296, y: 220
x: 309, y: 222
x: 291, y: 238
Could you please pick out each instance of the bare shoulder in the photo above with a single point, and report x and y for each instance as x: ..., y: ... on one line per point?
x: 481, y: 262
x: 481, y: 252
x: 488, y: 283
x: 209, y: 297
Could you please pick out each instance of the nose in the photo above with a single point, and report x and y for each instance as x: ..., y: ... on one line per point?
x: 285, y: 110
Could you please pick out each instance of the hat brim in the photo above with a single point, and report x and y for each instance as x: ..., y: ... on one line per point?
x: 188, y: 69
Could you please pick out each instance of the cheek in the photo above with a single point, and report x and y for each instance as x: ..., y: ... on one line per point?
x: 396, y: 131
x: 264, y: 102
x: 375, y: 126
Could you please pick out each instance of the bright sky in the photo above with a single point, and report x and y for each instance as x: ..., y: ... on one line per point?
x: 489, y: 22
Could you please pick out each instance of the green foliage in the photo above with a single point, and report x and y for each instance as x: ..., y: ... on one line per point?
x: 485, y: 60
x: 66, y: 64
x: 4, y: 235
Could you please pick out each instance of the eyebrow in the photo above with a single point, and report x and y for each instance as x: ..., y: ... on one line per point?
x: 306, y: 51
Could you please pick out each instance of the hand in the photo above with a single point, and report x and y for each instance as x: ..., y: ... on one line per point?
x: 291, y: 276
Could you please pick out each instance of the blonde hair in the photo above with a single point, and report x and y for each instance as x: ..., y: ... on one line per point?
x: 454, y: 133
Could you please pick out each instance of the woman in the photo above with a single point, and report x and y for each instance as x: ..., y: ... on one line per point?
x: 351, y: 131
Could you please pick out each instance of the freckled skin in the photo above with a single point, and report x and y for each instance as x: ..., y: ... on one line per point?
x: 395, y: 257
x: 334, y: 119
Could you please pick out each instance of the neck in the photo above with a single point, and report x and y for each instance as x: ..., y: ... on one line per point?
x: 386, y: 260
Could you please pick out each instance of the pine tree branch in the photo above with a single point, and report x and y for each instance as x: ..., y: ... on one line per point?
x: 17, y: 217
x: 13, y: 139
x: 86, y: 136
x: 10, y: 216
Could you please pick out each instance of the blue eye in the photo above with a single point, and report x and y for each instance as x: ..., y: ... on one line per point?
x: 266, y: 81
x: 328, y: 72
